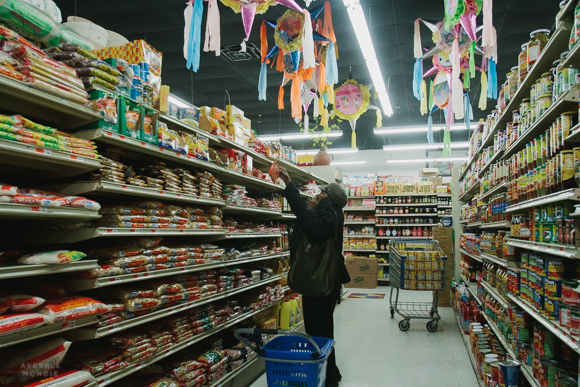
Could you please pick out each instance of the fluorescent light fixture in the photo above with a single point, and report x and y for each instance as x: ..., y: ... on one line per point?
x: 454, y: 145
x: 426, y: 160
x: 329, y: 151
x: 420, y: 129
x: 348, y: 162
x: 361, y: 30
x: 178, y: 102
x: 299, y: 136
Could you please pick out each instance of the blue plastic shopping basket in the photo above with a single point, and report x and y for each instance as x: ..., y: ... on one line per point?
x: 294, y: 359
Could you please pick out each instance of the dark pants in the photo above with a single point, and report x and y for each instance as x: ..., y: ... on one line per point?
x: 318, y: 322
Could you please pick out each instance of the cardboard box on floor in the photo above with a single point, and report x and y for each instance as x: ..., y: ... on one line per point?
x: 444, y: 235
x: 363, y: 273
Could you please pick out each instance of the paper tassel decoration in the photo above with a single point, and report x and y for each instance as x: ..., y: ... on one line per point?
x: 324, y: 118
x: 331, y: 66
x: 446, y: 143
x: 379, y: 118
x: 418, y: 52
x: 456, y: 85
x: 281, y: 98
x: 263, y: 82
x: 430, y: 129
x: 488, y: 38
x: 290, y: 4
x: 353, y: 136
x: 212, y: 29
x: 424, y: 108
x: 192, y: 33
x: 483, y: 96
x: 308, y: 42
x: 492, y: 80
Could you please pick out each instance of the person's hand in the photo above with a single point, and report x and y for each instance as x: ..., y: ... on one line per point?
x: 313, y: 203
x: 284, y: 175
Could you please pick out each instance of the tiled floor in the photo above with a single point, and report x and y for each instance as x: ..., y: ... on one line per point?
x: 373, y: 352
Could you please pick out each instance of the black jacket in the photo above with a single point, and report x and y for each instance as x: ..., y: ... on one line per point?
x: 318, y: 226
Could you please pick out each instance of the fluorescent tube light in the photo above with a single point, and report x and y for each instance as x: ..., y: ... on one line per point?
x: 426, y: 160
x: 178, y: 102
x: 330, y: 151
x: 419, y: 129
x: 454, y: 145
x: 299, y: 136
x: 361, y: 30
x: 348, y: 162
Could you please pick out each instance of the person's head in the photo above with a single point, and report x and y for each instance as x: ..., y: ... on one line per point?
x: 336, y: 194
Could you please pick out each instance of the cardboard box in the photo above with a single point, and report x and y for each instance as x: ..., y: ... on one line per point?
x: 362, y: 281
x: 428, y: 172
x: 362, y: 266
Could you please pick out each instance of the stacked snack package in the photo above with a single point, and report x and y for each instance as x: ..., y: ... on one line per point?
x: 146, y: 214
x: 90, y: 69
x: 209, y: 186
x: 111, y: 170
x: 188, y: 181
x: 273, y: 205
x: 235, y: 195
x: 23, y: 61
x: 21, y: 129
x: 35, y: 197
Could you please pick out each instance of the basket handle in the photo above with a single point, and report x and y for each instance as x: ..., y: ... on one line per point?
x: 239, y: 332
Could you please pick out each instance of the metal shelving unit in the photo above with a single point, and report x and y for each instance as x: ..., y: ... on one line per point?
x: 20, y: 158
x: 397, y: 215
x: 111, y: 189
x: 406, y: 225
x: 409, y: 205
x: 229, y: 209
x: 22, y: 271
x: 491, y: 161
x: 367, y: 222
x: 299, y: 174
x: 46, y: 330
x: 80, y: 284
x: 496, y: 225
x: 23, y: 212
x: 548, y: 248
x: 243, y: 235
x: 354, y: 249
x: 359, y: 208
x: 474, y: 224
x: 572, y: 194
x: 476, y: 257
x: 467, y: 343
x: 502, y: 187
x: 470, y: 192
x: 494, y: 259
x: 491, y: 290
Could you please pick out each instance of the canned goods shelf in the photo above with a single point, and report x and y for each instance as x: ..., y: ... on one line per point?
x: 132, y: 368
x: 491, y: 161
x: 569, y: 194
x: 81, y: 284
x: 360, y: 222
x: 83, y: 234
x: 526, y: 369
x: 549, y: 248
x: 467, y: 344
x: 557, y: 330
x: 494, y: 225
x: 438, y: 206
x: 46, y: 330
x: 406, y: 224
x: 359, y: 208
x: 470, y: 192
x: 406, y: 194
x: 18, y: 97
x: 502, y: 187
x: 94, y: 333
x: 496, y: 260
x: 476, y: 257
x: 565, y: 102
x: 491, y: 290
x: 23, y: 212
x: 243, y: 235
x: 17, y: 157
x: 22, y: 271
x: 108, y: 188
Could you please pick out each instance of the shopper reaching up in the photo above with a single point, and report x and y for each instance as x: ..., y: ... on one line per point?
x: 317, y: 221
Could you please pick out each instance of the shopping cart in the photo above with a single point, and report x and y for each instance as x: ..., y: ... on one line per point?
x: 416, y: 264
x: 292, y: 359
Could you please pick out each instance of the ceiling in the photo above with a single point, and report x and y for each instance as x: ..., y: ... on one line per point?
x: 160, y: 23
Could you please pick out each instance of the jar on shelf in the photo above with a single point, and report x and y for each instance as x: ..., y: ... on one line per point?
x: 524, y: 107
x: 544, y: 103
x: 538, y: 40
x: 545, y: 84
x: 523, y: 63
x: 512, y: 82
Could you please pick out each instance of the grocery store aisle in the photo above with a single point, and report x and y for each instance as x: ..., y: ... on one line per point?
x: 373, y: 352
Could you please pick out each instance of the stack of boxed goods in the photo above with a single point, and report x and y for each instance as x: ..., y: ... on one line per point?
x: 444, y: 235
x: 363, y: 272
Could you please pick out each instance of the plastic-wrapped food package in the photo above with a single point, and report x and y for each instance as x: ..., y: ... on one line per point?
x: 24, y: 363
x: 51, y: 257
x: 96, y: 359
x: 137, y: 304
x: 16, y: 323
x: 72, y: 308
x: 115, y: 252
x: 126, y: 293
x: 129, y: 340
x: 21, y: 303
x: 133, y: 261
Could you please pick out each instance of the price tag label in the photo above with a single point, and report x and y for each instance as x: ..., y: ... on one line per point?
x: 113, y: 327
x: 161, y: 193
x: 113, y: 279
x: 38, y: 209
x: 126, y: 187
x: 122, y: 137
x: 69, y: 324
x: 106, y: 380
x: 178, y: 195
x: 178, y: 154
x: 73, y: 157
x: 132, y: 230
x: 143, y: 143
x: 109, y: 134
x: 161, y: 149
x: 111, y: 231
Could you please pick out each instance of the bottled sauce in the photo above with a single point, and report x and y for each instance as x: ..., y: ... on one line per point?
x: 499, y: 244
x: 419, y: 232
x: 426, y: 232
x: 415, y: 231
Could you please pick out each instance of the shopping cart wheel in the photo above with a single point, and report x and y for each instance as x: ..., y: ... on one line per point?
x: 404, y: 325
x: 432, y: 326
x: 392, y: 313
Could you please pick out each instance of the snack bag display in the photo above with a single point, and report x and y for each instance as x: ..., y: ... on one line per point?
x: 20, y: 303
x: 149, y: 132
x: 131, y: 120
